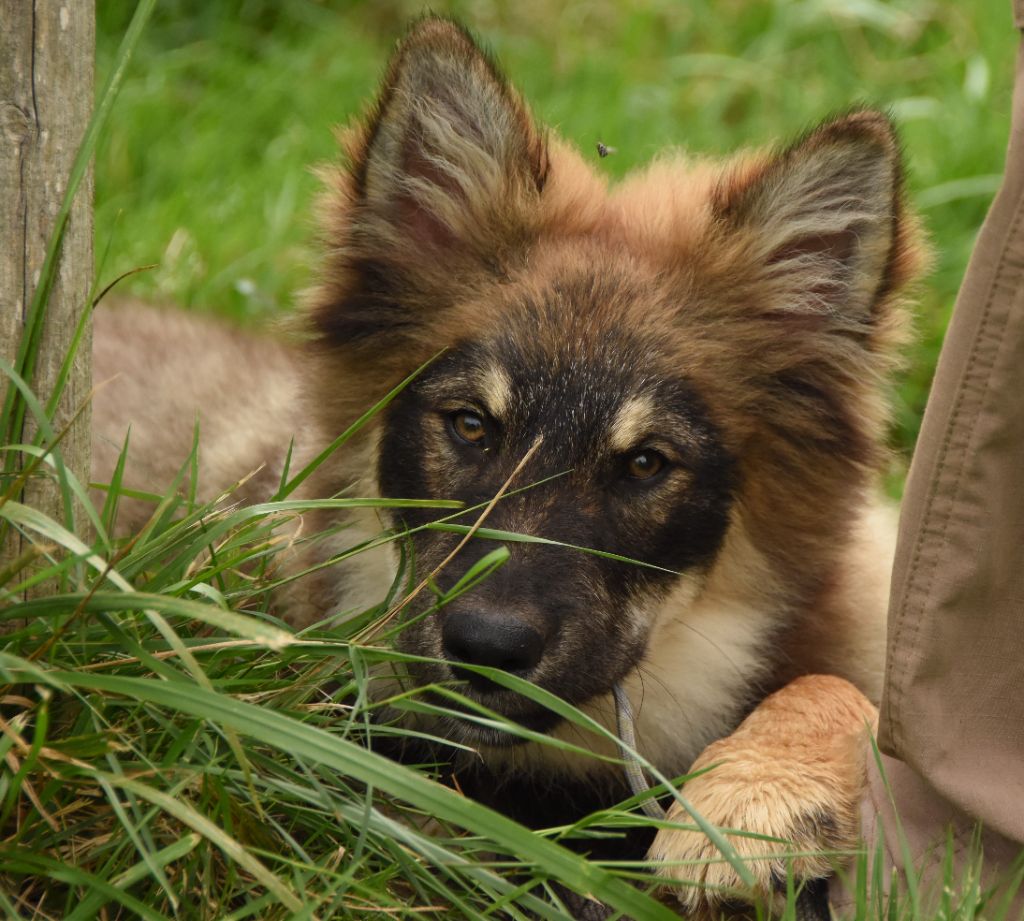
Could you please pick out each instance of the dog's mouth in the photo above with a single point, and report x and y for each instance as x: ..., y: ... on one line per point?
x: 476, y: 730
x: 498, y: 712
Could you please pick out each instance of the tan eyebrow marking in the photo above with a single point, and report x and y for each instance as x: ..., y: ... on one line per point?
x: 495, y: 390
x: 631, y: 421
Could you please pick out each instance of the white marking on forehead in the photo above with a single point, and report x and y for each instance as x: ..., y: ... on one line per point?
x: 632, y: 420
x: 496, y: 390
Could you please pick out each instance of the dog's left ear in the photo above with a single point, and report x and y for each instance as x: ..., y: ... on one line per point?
x: 822, y: 224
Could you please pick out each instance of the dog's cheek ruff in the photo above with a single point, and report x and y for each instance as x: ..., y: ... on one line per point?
x: 368, y: 316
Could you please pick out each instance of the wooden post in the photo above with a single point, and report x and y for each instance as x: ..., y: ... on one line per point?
x: 47, y: 50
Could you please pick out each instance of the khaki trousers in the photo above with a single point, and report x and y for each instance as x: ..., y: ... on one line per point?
x: 952, y: 714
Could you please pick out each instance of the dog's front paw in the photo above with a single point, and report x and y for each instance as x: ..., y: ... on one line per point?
x: 794, y: 772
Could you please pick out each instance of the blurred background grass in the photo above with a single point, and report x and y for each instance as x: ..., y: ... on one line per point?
x: 205, y: 169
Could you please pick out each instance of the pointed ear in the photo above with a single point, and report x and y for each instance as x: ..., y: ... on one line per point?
x: 823, y: 221
x: 442, y: 184
x: 450, y: 156
x: 815, y: 248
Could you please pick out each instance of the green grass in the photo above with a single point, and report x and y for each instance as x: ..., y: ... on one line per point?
x: 169, y: 749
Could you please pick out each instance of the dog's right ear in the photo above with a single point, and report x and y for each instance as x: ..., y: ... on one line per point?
x: 443, y: 177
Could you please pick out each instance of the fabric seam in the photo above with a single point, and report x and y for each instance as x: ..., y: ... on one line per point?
x: 905, y: 631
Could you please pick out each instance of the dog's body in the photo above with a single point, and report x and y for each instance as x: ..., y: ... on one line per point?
x: 686, y: 370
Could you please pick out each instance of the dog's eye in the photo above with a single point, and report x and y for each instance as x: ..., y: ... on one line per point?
x: 468, y: 426
x: 645, y: 464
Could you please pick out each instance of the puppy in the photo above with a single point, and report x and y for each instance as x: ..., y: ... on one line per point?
x: 683, y: 373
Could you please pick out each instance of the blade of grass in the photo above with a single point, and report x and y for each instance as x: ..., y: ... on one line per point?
x: 232, y: 849
x: 307, y: 471
x: 909, y: 872
x: 572, y: 714
x: 249, y: 628
x: 45, y: 456
x: 108, y: 514
x: 19, y: 385
x: 45, y: 867
x: 29, y: 757
x: 94, y: 900
x: 516, y: 538
x: 135, y: 831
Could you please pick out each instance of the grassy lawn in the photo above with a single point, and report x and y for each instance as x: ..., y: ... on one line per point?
x: 170, y: 750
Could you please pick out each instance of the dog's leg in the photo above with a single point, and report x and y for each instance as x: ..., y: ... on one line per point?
x: 794, y: 770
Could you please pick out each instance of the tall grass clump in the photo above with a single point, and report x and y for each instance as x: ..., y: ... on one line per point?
x: 173, y: 750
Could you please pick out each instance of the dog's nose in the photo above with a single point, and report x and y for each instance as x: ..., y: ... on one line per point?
x: 489, y: 638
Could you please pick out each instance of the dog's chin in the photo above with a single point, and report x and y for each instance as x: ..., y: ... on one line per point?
x: 514, y: 707
x: 467, y: 732
x: 536, y: 719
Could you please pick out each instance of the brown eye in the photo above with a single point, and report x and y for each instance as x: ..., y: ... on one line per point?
x: 645, y: 464
x: 468, y: 426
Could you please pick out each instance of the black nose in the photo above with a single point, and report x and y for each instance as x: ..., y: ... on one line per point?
x: 489, y: 638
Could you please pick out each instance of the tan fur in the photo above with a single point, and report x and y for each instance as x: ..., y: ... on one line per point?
x: 630, y: 423
x: 497, y: 391
x: 793, y: 771
x: 159, y: 374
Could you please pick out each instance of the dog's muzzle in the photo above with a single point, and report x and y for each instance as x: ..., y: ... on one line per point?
x: 491, y: 639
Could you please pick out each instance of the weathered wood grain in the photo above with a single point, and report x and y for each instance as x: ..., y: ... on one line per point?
x: 46, y: 94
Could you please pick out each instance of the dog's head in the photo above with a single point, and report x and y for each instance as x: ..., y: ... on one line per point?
x: 694, y: 352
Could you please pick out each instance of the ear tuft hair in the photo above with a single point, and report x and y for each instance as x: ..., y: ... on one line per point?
x: 809, y: 255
